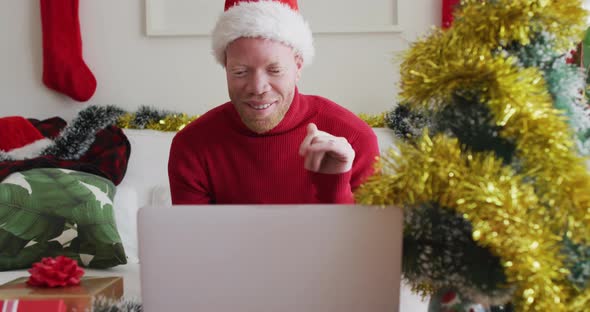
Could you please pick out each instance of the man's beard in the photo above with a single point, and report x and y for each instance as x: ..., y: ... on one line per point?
x: 266, y: 124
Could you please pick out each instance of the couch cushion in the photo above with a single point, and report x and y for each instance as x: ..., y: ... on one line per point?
x: 148, y: 163
x: 51, y: 211
x: 126, y: 208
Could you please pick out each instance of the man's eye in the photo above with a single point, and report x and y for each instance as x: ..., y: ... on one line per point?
x: 239, y: 73
x: 275, y: 71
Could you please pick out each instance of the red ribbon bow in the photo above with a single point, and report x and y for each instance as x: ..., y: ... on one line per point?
x: 59, y: 272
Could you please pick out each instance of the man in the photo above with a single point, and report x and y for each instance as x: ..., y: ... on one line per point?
x: 270, y: 143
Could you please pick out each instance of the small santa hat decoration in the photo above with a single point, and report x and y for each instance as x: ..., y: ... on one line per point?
x: 277, y: 20
x: 20, y: 139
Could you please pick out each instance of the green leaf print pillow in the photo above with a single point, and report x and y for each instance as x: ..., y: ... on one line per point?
x: 48, y: 212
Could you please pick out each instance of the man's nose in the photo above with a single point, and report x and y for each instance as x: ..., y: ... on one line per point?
x: 259, y: 84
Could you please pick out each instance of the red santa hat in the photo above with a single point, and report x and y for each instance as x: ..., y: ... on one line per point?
x: 19, y: 139
x: 278, y: 20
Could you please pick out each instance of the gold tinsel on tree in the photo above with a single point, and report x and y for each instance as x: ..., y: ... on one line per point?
x: 521, y: 217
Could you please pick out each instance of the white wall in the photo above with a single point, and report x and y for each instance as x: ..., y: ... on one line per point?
x: 179, y: 73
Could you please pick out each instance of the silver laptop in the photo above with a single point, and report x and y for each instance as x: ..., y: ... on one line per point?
x: 275, y: 258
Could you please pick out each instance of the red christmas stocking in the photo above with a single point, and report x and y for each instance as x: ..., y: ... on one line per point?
x: 447, y: 12
x: 64, y: 69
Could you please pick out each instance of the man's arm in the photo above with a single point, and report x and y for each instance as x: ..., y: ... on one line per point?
x: 186, y: 175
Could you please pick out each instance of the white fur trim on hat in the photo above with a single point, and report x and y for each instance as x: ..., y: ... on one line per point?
x: 263, y: 19
x: 31, y: 150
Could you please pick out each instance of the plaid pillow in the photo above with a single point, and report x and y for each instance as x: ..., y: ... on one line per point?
x: 46, y: 212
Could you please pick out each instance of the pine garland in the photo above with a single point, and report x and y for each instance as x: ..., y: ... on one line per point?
x: 472, y: 123
x: 122, y: 305
x: 578, y: 261
x: 438, y: 252
x: 75, y: 140
x: 154, y: 119
x: 163, y: 120
x: 406, y: 124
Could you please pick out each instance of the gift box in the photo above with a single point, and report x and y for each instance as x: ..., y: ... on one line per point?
x: 32, y: 305
x: 76, y: 298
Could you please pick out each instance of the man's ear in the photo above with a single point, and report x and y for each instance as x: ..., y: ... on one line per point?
x: 299, y: 66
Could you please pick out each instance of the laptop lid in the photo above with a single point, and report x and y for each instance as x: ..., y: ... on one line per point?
x: 270, y: 258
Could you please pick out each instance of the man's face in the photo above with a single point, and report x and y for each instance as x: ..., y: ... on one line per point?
x: 261, y: 77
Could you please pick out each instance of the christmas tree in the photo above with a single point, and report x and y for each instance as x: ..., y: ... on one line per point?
x: 492, y: 168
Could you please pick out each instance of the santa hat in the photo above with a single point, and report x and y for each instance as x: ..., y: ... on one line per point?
x: 20, y: 139
x: 277, y: 20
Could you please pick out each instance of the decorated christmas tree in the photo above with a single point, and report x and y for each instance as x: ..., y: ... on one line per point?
x: 491, y: 169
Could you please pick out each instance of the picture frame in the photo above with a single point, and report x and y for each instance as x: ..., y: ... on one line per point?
x: 178, y: 17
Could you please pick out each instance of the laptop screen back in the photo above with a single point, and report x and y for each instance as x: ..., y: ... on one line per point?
x: 270, y: 258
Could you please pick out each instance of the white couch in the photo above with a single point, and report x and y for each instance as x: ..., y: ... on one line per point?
x: 146, y: 183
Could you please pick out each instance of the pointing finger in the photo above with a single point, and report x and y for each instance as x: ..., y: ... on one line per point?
x: 312, y: 129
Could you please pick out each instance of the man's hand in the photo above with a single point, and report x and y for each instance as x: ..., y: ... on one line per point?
x: 325, y: 153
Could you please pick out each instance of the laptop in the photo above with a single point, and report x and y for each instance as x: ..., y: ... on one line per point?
x: 257, y: 258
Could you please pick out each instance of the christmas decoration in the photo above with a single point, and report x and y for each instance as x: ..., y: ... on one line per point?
x: 495, y: 128
x: 405, y: 122
x: 163, y: 120
x: 55, y: 272
x: 102, y: 292
x: 448, y: 6
x: 122, y: 305
x: 76, y: 139
x: 20, y: 139
x: 72, y: 142
x: 64, y: 70
x: 373, y: 120
x: 583, y: 59
x: 450, y: 301
x: 278, y: 20
x: 90, y: 143
x: 154, y: 119
x: 16, y: 305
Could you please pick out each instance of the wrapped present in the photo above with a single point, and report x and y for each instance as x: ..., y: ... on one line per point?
x: 76, y: 298
x: 32, y: 305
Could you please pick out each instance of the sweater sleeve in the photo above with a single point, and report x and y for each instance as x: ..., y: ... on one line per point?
x: 332, y: 188
x: 188, y: 180
x: 339, y: 188
x: 366, y: 148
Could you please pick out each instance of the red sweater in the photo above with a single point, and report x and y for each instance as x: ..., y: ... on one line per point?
x: 217, y: 159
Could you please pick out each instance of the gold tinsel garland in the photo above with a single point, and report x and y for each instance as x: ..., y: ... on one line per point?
x: 375, y: 121
x: 175, y: 122
x: 171, y: 122
x: 493, y: 198
x: 524, y: 228
x: 494, y: 23
x: 519, y: 100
